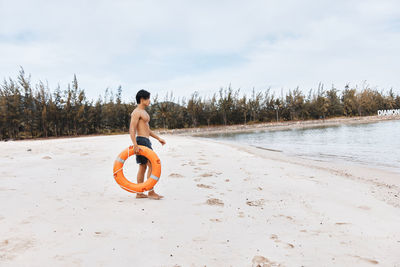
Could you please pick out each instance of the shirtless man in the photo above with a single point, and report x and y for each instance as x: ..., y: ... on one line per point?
x: 140, y: 126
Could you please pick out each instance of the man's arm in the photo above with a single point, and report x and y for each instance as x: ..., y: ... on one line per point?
x: 152, y: 134
x: 132, y: 128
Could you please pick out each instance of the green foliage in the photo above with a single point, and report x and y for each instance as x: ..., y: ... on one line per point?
x: 350, y: 102
x: 28, y: 111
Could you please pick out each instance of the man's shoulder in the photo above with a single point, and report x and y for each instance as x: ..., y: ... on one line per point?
x: 137, y: 112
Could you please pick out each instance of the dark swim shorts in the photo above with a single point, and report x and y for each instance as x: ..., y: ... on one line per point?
x: 143, y: 141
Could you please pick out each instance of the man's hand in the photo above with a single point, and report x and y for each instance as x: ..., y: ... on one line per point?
x: 162, y: 141
x: 136, y: 149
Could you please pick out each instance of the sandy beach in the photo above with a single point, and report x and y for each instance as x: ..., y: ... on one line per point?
x: 224, y: 205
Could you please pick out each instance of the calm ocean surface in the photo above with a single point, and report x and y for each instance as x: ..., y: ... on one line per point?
x: 375, y: 144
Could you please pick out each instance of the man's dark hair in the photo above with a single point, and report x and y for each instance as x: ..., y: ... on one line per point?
x: 142, y: 94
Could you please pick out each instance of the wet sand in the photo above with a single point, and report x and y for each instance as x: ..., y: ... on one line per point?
x: 224, y: 205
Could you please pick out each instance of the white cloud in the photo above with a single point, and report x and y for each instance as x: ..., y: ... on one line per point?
x: 183, y: 46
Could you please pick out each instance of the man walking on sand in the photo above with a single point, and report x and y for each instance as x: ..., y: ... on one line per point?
x: 140, y: 125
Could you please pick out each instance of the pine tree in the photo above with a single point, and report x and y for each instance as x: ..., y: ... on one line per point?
x: 225, y: 104
x: 244, y: 108
x: 68, y: 114
x: 349, y: 100
x: 335, y: 108
x: 195, y: 108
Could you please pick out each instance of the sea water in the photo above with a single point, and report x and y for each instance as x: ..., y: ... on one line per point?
x: 376, y: 144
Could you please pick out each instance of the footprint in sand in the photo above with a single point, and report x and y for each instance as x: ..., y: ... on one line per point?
x: 284, y: 216
x: 364, y: 207
x: 46, y: 157
x: 260, y: 261
x: 84, y: 154
x: 215, y: 202
x: 11, y: 248
x: 290, y: 245
x: 205, y: 186
x: 274, y: 237
x: 206, y: 175
x: 276, y: 240
x: 256, y: 203
x: 101, y: 234
x: 175, y: 175
x: 366, y: 259
x: 216, y: 220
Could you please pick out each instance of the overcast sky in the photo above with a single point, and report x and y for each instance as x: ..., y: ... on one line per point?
x: 187, y: 46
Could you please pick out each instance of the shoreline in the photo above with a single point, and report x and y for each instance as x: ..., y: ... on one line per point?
x: 385, y: 179
x: 277, y: 126
x: 336, y: 160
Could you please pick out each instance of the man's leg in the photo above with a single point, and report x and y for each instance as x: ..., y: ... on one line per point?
x: 152, y: 194
x: 140, y: 179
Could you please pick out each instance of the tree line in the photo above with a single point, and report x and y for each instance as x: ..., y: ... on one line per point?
x: 32, y: 111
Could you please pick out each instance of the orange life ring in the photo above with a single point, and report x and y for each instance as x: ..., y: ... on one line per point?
x: 149, y: 183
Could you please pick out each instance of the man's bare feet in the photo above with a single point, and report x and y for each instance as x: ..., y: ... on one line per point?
x: 154, y: 195
x: 141, y: 195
